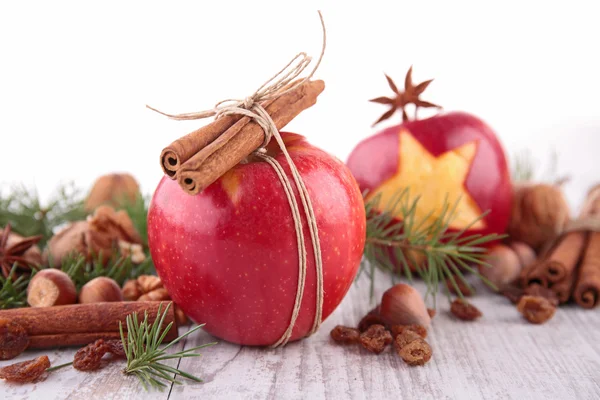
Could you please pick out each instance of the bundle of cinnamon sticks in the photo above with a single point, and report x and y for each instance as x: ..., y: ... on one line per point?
x: 570, y: 267
x: 198, y: 159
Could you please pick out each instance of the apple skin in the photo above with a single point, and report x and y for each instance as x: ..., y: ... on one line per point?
x: 375, y: 160
x: 229, y: 256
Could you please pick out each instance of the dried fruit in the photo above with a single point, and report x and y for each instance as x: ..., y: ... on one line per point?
x: 51, y: 287
x: 536, y: 309
x: 431, y: 312
x: 13, y: 339
x: 539, y: 290
x: 417, y: 352
x: 376, y: 338
x: 404, y: 338
x: 345, y: 335
x: 372, y: 318
x: 464, y: 310
x: 403, y: 305
x: 100, y: 289
x: 418, y: 329
x: 89, y: 357
x: 26, y: 371
x: 115, y: 347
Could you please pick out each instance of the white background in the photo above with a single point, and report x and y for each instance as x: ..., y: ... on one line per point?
x: 75, y: 76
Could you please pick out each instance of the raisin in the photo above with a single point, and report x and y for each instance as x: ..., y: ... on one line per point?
x: 372, y: 318
x: 431, y: 312
x: 536, y: 309
x: 89, y: 357
x: 405, y: 338
x: 512, y: 293
x: 417, y: 352
x: 115, y: 347
x: 538, y: 290
x: 465, y: 289
x: 343, y: 334
x: 464, y: 310
x: 26, y: 371
x: 418, y: 329
x: 13, y: 339
x: 376, y: 338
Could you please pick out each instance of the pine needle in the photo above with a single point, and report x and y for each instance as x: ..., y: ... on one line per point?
x: 144, y: 355
x: 13, y: 292
x: 395, y: 237
x: 23, y: 209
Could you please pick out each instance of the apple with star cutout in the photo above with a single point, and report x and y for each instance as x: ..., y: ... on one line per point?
x: 453, y: 157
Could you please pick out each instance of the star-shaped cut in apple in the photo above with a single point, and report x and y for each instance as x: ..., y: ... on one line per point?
x: 436, y: 180
x: 451, y: 156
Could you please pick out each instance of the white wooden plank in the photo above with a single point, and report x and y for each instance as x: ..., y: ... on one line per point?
x: 499, y: 356
x: 69, y: 383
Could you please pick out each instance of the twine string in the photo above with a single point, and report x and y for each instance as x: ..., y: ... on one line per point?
x: 280, y: 83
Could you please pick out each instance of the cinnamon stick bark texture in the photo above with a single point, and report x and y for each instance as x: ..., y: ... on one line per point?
x: 243, y: 138
x: 564, y: 258
x: 182, y: 149
x: 587, y: 289
x: 68, y: 339
x: 83, y: 323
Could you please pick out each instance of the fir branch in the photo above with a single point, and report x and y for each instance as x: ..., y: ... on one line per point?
x: 13, y: 292
x: 27, y: 215
x: 395, y: 236
x: 144, y: 355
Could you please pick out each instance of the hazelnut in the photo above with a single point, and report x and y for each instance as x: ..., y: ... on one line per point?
x: 403, y: 305
x: 51, y: 287
x: 504, y: 266
x: 506, y: 263
x: 112, y: 189
x: 101, y: 289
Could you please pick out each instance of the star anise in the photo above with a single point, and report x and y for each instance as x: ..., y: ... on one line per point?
x: 402, y: 99
x: 12, y: 251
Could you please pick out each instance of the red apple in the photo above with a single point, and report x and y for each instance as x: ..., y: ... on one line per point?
x: 229, y: 257
x: 454, y: 154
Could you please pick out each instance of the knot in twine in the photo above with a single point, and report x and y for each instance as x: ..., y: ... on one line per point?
x: 281, y: 83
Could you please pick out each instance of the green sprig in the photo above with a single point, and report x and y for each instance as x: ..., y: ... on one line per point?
x: 13, y: 292
x: 144, y: 355
x: 23, y: 209
x: 395, y: 236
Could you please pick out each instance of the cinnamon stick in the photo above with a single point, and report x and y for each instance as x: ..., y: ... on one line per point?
x: 49, y: 326
x: 587, y: 288
x: 182, y: 149
x: 534, y: 274
x: 242, y: 138
x: 562, y: 260
x: 75, y: 339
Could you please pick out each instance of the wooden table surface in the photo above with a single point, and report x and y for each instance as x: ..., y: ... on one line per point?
x: 499, y: 356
